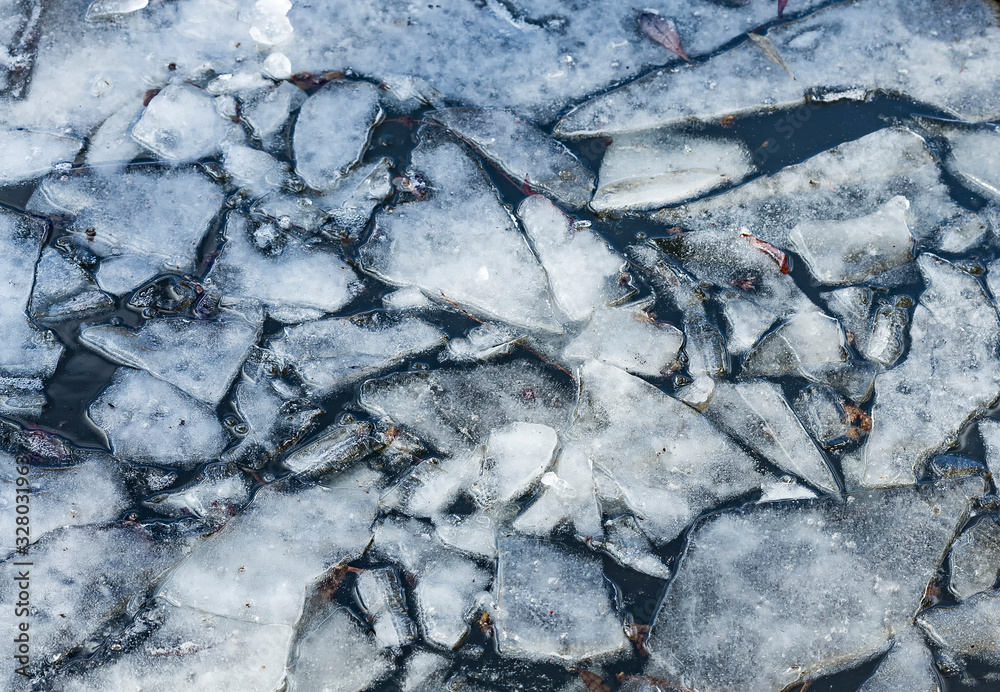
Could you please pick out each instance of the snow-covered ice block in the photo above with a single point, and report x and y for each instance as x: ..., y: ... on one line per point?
x: 200, y: 357
x: 951, y: 370
x: 888, y: 339
x: 381, y: 596
x: 650, y: 170
x: 893, y: 50
x: 584, y: 272
x: 483, y: 342
x: 850, y: 180
x: 569, y: 497
x: 64, y: 290
x: 975, y: 559
x: 147, y: 219
x: 28, y: 154
x: 351, y: 202
x: 757, y: 414
x: 339, y: 448
x: 332, y: 130
x: 92, y: 574
x: 777, y: 593
x: 629, y: 338
x: 528, y: 156
x: 515, y: 457
x: 975, y: 157
x: 295, y: 281
x: 189, y: 648
x: 460, y: 243
x: 337, y: 352
x: 971, y: 629
x: 909, y: 665
x: 219, y: 492
x: 854, y: 250
x: 455, y: 409
x: 180, y: 124
x: 340, y: 655
x: 257, y: 567
x: 553, y: 604
x: 670, y: 472
x: 745, y: 321
x: 149, y: 420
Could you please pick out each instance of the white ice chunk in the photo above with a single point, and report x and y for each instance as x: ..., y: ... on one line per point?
x: 148, y: 420
x: 553, y: 604
x: 200, y: 357
x: 650, y: 170
x: 950, y: 372
x: 757, y: 414
x: 858, y: 249
x: 629, y: 338
x: 670, y: 472
x: 584, y: 272
x: 976, y: 158
x: 337, y: 352
x: 785, y: 488
x: 428, y: 489
x: 28, y: 154
x: 64, y: 290
x: 909, y: 665
x: 971, y: 629
x: 481, y: 343
x: 746, y: 321
x: 456, y: 409
x: 266, y: 111
x: 109, y: 9
x: 975, y: 559
x: 989, y: 431
x: 384, y: 605
x: 887, y: 340
x: 704, y: 345
x: 219, y: 492
x: 853, y: 306
x: 569, y: 497
x: 340, y: 655
x: 459, y: 242
x: 332, y: 131
x: 351, y: 202
x: 515, y: 457
x: 112, y: 142
x: 625, y: 543
x: 295, y: 281
x: 270, y: 26
x: 522, y: 151
x: 406, y: 298
x: 773, y: 594
x: 257, y: 567
x: 339, y: 448
x: 180, y: 124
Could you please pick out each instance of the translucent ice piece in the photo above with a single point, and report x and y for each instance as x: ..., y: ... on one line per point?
x: 855, y: 250
x: 488, y: 340
x: 627, y: 337
x: 112, y: 143
x: 219, y: 492
x: 625, y: 543
x: 63, y: 290
x: 382, y: 597
x: 975, y: 157
x: 831, y: 419
x: 337, y: 352
x: 989, y: 431
x: 909, y: 665
x: 887, y: 340
x: 28, y: 154
x: 974, y: 559
x: 704, y: 346
x: 971, y: 629
x: 350, y: 203
x: 336, y: 450
x: 807, y: 343
x: 776, y: 593
x: 331, y: 132
x: 569, y: 497
x: 460, y: 243
x: 552, y: 604
x: 428, y: 489
x: 200, y: 357
x: 650, y: 170
x: 746, y: 321
x: 148, y: 420
x: 340, y: 655
x: 522, y: 151
x: 950, y: 372
x: 180, y: 124
x: 515, y: 457
x: 584, y: 272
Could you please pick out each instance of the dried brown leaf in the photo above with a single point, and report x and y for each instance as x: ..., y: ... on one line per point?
x: 663, y: 31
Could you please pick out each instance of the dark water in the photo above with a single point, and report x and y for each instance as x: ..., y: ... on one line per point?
x: 777, y: 139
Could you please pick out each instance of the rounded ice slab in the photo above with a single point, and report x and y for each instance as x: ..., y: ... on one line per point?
x: 332, y: 131
x: 180, y: 124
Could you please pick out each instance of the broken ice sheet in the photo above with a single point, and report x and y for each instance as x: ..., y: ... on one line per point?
x: 64, y: 290
x: 909, y: 665
x: 340, y: 447
x: 971, y: 629
x: 295, y: 281
x: 627, y: 545
x: 854, y: 250
x: 975, y: 157
x: 456, y: 408
x: 481, y: 343
x: 332, y: 131
x: 141, y: 220
x: 381, y: 596
x: 849, y: 181
x: 630, y: 338
x: 257, y: 567
x: 650, y: 170
x: 584, y: 272
x: 553, y: 604
x: 460, y: 243
x: 200, y: 357
x: 351, y: 202
x: 219, y: 492
x: 777, y: 593
x: 974, y: 559
x: 28, y: 154
x: 893, y: 50
x: 340, y: 655
x: 669, y: 473
x: 757, y: 414
x: 514, y: 458
x: 180, y: 124
x: 149, y: 420
x: 336, y: 352
x: 832, y: 420
x: 569, y: 497
x: 951, y: 371
x: 528, y: 156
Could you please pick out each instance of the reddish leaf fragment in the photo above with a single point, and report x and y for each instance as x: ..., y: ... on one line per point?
x: 781, y: 7
x: 639, y: 634
x: 308, y: 80
x: 148, y: 96
x: 747, y: 283
x: 592, y: 681
x: 774, y: 253
x: 727, y: 121
x: 662, y: 31
x: 526, y: 186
